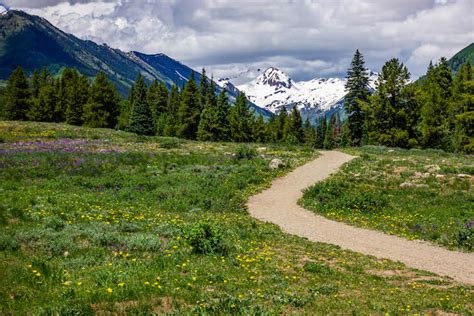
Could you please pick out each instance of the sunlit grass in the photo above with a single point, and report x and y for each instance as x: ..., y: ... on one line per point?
x: 416, y: 194
x: 117, y: 223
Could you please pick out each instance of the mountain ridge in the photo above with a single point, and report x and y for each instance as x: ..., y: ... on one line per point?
x: 272, y: 89
x: 32, y: 42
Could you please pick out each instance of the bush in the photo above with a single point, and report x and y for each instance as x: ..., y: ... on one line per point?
x: 142, y: 242
x: 324, y: 289
x: 314, y: 267
x: 7, y: 242
x: 465, y: 237
x: 170, y: 143
x: 327, y: 190
x: 366, y: 202
x: 245, y: 152
x: 55, y: 223
x: 207, y: 238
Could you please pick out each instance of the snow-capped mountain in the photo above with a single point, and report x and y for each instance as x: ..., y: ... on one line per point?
x: 273, y: 89
x: 3, y: 9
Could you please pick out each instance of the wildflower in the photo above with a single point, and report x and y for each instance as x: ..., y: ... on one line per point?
x: 121, y: 284
x: 147, y: 283
x: 109, y: 290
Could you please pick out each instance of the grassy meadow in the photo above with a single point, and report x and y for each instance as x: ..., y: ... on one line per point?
x: 95, y: 221
x: 416, y: 194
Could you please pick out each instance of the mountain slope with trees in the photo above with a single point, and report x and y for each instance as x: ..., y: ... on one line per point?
x: 33, y: 43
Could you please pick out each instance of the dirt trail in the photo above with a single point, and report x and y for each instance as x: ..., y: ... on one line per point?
x: 278, y: 205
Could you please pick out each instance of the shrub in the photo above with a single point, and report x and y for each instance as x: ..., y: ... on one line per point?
x: 7, y: 242
x: 143, y: 242
x: 245, y: 152
x: 366, y: 202
x: 314, y: 267
x: 327, y: 190
x: 170, y: 143
x: 207, y: 238
x: 55, y: 223
x: 465, y: 237
x: 324, y: 289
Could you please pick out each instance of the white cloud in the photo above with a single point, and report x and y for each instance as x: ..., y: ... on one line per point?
x: 305, y: 38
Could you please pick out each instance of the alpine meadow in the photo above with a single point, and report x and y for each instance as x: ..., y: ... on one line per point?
x: 320, y: 161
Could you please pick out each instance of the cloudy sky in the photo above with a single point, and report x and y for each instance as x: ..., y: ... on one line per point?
x: 307, y: 38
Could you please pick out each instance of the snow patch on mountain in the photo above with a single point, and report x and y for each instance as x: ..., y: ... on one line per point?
x: 273, y: 89
x: 3, y: 9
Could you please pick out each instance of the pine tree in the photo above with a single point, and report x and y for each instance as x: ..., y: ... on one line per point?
x: 357, y: 87
x: 320, y: 132
x: 281, y: 125
x: 171, y: 116
x: 329, y: 141
x: 76, y: 94
x: 386, y: 110
x: 462, y: 106
x: 17, y: 96
x: 42, y: 108
x: 102, y: 108
x: 222, y: 113
x: 209, y: 125
x: 141, y: 120
x: 189, y: 111
x: 240, y: 120
x: 158, y: 101
x: 35, y: 83
x: 294, y: 128
x: 203, y: 88
x: 259, y: 130
x: 125, y: 107
x: 435, y: 125
x: 309, y: 133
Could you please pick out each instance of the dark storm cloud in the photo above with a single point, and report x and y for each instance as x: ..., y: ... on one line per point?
x: 306, y: 38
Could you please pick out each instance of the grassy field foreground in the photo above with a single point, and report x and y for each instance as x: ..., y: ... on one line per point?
x: 98, y: 221
x: 416, y: 194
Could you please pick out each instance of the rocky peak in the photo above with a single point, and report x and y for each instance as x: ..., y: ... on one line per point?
x: 274, y: 77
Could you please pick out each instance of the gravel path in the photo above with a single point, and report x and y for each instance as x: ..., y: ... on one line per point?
x: 278, y: 205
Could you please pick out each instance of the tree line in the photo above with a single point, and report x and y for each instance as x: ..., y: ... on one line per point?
x: 193, y: 111
x: 436, y: 111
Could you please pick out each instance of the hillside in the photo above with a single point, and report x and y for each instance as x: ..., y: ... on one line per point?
x: 463, y: 56
x: 33, y: 43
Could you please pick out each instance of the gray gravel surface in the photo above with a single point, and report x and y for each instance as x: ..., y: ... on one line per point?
x: 278, y: 205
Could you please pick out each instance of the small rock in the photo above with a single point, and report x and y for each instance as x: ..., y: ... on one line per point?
x: 421, y: 175
x: 66, y: 254
x: 441, y: 177
x: 276, y: 164
x: 390, y: 151
x: 432, y: 168
x: 413, y: 185
x: 463, y: 176
x: 261, y: 148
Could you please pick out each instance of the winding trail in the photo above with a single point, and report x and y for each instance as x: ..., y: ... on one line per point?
x: 278, y: 205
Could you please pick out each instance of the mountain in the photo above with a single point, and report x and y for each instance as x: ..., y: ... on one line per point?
x: 33, y: 43
x: 463, y: 56
x: 273, y: 89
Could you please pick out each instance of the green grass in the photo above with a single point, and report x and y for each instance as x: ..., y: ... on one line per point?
x: 98, y: 221
x: 436, y: 204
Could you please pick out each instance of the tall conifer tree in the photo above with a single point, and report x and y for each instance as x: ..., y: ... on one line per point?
x: 189, y: 111
x: 102, y: 108
x: 141, y: 118
x: 240, y: 120
x: 17, y: 96
x: 357, y: 87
